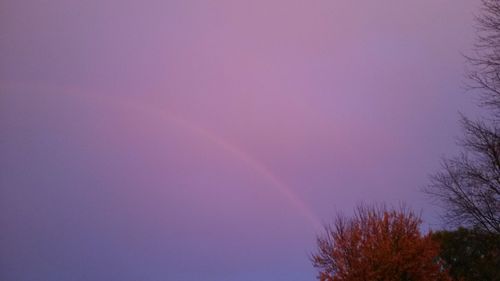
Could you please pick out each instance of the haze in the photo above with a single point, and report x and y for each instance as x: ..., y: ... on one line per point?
x: 188, y: 140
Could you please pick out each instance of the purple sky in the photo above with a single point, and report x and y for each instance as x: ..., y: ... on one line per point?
x: 188, y: 140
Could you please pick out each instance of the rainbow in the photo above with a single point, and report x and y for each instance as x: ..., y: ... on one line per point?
x: 239, y: 154
x: 170, y: 116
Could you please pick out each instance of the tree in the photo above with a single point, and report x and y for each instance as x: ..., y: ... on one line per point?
x: 468, y: 186
x: 485, y: 71
x: 377, y: 244
x: 470, y: 255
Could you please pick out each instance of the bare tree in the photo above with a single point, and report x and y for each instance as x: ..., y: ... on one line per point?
x: 468, y: 186
x: 485, y: 63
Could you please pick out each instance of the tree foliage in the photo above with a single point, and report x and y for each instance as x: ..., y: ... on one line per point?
x: 470, y: 255
x: 468, y: 186
x: 377, y: 244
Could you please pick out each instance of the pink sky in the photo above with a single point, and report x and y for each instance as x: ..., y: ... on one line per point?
x: 180, y: 140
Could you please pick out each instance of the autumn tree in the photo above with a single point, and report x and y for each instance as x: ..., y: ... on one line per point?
x: 468, y: 185
x: 377, y: 243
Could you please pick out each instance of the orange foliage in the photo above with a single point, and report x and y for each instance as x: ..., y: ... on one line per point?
x: 378, y: 244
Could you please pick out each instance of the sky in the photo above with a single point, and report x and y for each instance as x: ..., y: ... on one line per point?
x: 186, y: 140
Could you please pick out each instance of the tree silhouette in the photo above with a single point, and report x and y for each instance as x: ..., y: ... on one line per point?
x: 377, y: 244
x: 468, y: 186
x: 470, y: 255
